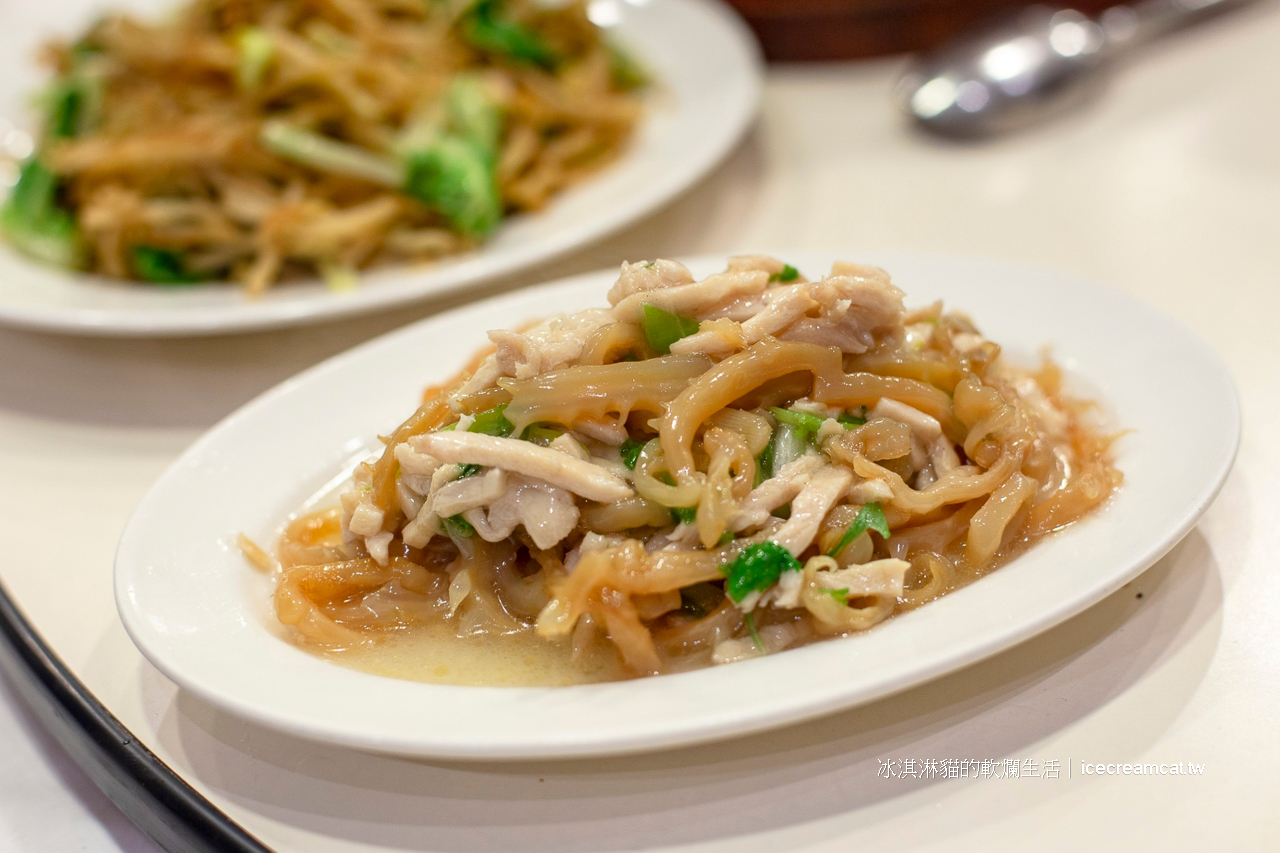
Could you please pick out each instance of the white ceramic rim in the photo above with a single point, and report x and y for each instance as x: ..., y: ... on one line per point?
x: 171, y: 585
x: 709, y: 71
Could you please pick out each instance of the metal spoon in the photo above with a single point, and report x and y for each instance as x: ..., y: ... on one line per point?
x: 1040, y: 61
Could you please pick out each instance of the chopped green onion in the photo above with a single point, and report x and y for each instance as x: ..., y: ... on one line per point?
x: 841, y: 595
x: 456, y: 525
x: 467, y: 469
x: 789, y: 273
x: 630, y: 451
x: 329, y: 155
x: 492, y: 422
x: 163, y: 266
x: 800, y: 420
x: 662, y: 328
x: 789, y: 444
x: 485, y: 29
x: 851, y: 421
x: 764, y: 464
x: 756, y: 569
x: 725, y: 538
x: 685, y: 514
x: 35, y: 224
x: 540, y: 434
x: 755, y: 635
x: 870, y: 517
x: 254, y: 52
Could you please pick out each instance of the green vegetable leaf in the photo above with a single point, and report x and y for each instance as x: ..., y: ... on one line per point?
x: 492, y: 422
x: 756, y: 569
x: 870, y: 517
x: 789, y: 273
x: 163, y: 266
x: 802, y: 421
x: 487, y: 30
x: 456, y: 525
x: 455, y: 176
x: 35, y: 224
x: 662, y: 328
x: 851, y: 421
x: 467, y: 469
x: 749, y: 618
x: 630, y: 451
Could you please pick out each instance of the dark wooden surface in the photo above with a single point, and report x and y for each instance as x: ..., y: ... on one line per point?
x: 792, y: 30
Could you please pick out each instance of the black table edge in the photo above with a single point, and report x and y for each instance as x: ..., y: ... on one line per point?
x: 142, y: 786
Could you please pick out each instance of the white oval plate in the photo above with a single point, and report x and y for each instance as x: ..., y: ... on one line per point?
x: 708, y: 74
x: 201, y: 615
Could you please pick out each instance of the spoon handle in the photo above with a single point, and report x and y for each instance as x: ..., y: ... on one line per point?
x: 1137, y: 24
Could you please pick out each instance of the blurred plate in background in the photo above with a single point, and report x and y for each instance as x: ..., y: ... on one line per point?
x: 707, y: 71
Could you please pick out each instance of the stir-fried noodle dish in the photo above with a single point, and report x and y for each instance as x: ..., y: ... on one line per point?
x: 704, y: 472
x: 256, y: 140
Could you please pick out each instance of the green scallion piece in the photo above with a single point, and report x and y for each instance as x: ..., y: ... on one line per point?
x: 841, y: 595
x: 685, y: 514
x: 456, y: 525
x: 799, y: 420
x: 630, y: 451
x: 789, y: 273
x: 492, y: 422
x: 749, y: 618
x: 870, y: 517
x: 662, y: 328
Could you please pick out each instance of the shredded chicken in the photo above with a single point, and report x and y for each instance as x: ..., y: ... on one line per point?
x: 878, y: 577
x: 541, y: 463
